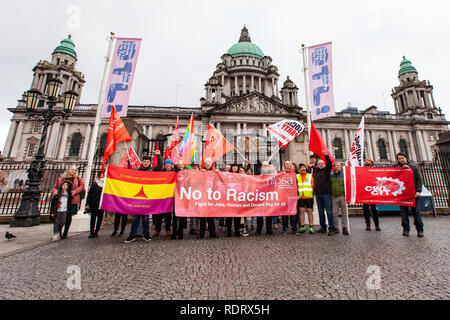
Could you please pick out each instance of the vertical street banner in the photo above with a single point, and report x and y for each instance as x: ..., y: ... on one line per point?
x: 368, y: 185
x: 121, y: 76
x: 321, y: 81
x: 224, y: 194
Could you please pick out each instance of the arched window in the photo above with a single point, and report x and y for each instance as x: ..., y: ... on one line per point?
x: 337, y: 146
x: 75, y: 145
x: 382, y: 149
x: 102, y: 145
x: 403, y: 147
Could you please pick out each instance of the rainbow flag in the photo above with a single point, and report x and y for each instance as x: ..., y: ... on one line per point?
x: 138, y: 192
x: 187, y: 149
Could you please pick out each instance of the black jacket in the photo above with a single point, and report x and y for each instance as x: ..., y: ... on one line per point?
x: 322, y: 179
x: 418, y: 184
x: 94, y: 195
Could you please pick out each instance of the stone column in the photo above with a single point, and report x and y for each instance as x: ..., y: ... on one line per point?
x: 330, y: 145
x: 144, y: 130
x: 63, y: 142
x: 273, y: 86
x: 236, y: 89
x: 17, y: 139
x: 347, y: 143
x: 252, y: 83
x: 223, y: 80
x: 432, y: 99
x: 368, y: 145
x: 427, y: 145
x: 411, y: 147
x: 52, y: 142
x: 35, y: 79
x: 87, y: 138
x: 244, y: 85
x: 394, y: 137
x: 259, y: 85
x: 276, y: 84
x: 10, y: 138
x: 391, y: 146
x: 150, y: 131
x: 419, y: 138
x: 375, y: 146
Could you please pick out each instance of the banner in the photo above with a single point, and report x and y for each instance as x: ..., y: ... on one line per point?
x: 356, y: 156
x: 216, y: 146
x: 321, y: 81
x: 130, y: 160
x: 121, y: 76
x: 368, y: 185
x: 138, y: 192
x: 224, y: 194
x: 285, y: 131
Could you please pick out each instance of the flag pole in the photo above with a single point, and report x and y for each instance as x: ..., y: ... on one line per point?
x: 128, y: 154
x: 308, y: 113
x: 101, y: 98
x: 275, y: 153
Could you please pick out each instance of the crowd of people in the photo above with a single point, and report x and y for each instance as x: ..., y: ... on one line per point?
x: 320, y: 180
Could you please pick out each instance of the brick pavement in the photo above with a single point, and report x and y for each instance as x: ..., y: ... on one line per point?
x: 265, y: 267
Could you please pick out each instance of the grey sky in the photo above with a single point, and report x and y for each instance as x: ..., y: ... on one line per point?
x: 184, y: 40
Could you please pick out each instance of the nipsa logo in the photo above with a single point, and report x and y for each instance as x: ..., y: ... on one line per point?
x: 281, y: 182
x: 386, y: 186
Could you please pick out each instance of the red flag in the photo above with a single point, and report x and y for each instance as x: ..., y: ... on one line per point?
x: 155, y: 158
x: 215, y: 145
x: 317, y: 145
x: 130, y: 160
x: 172, y: 151
x: 116, y: 133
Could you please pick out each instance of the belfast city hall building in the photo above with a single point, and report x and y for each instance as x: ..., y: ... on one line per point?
x: 242, y: 97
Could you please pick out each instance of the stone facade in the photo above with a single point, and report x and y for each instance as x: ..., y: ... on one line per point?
x: 242, y: 98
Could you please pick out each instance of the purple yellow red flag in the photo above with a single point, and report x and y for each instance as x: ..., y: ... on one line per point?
x: 138, y: 192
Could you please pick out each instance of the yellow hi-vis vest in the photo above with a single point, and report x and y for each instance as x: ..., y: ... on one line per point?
x: 305, y: 187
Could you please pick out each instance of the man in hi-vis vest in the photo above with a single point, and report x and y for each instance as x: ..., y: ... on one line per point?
x: 305, y: 197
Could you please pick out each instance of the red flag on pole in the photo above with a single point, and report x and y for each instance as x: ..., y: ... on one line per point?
x: 155, y: 158
x: 317, y: 145
x: 116, y: 133
x: 130, y: 160
x: 215, y: 145
x: 172, y: 151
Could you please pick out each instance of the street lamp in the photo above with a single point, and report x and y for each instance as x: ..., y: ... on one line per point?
x: 28, y: 213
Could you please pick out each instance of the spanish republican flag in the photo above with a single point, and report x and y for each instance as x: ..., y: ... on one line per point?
x: 138, y: 192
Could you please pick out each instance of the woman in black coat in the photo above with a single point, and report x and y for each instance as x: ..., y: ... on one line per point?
x: 93, y: 204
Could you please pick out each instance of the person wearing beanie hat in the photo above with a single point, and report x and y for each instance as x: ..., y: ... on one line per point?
x: 168, y: 166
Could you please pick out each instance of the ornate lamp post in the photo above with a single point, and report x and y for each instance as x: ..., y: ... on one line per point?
x: 28, y: 213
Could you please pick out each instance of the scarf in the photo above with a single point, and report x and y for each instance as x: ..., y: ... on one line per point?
x: 100, y: 182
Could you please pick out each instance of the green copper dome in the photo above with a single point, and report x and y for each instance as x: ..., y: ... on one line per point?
x: 406, y: 66
x: 245, y: 47
x: 66, y: 46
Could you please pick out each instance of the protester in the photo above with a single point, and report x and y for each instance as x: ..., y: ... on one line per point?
x: 322, y: 192
x: 227, y: 168
x: 237, y: 220
x: 312, y: 163
x: 59, y: 208
x: 78, y: 192
x: 117, y: 217
x: 265, y: 170
x: 305, y: 198
x: 211, y: 225
x: 93, y: 204
x: 137, y: 219
x: 168, y: 167
x: 178, y: 223
x: 252, y: 220
x: 338, y: 194
x: 373, y: 207
x: 402, y: 161
x: 194, y: 222
x: 288, y: 167
x: 242, y: 229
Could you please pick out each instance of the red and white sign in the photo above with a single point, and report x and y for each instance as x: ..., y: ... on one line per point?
x: 285, y: 131
x: 356, y: 155
x: 367, y: 185
x: 130, y: 160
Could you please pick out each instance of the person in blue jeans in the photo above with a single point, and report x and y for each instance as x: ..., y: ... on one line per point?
x: 322, y: 191
x: 402, y: 161
x: 137, y: 218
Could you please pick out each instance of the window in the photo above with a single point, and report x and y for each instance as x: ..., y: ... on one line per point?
x: 102, y: 145
x: 431, y: 135
x: 429, y: 116
x: 247, y: 61
x: 75, y: 145
x: 337, y: 146
x: 31, y: 149
x: 240, y: 61
x: 403, y: 147
x: 37, y: 127
x: 382, y: 149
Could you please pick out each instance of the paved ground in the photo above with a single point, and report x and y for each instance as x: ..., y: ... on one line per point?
x: 266, y: 267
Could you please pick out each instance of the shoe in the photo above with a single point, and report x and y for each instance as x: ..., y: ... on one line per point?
x: 420, y: 234
x: 257, y: 233
x: 63, y: 236
x: 121, y: 233
x: 284, y: 232
x: 237, y: 234
x: 130, y: 239
x: 321, y: 231
x: 147, y: 237
x: 213, y: 236
x: 345, y: 231
x: 275, y: 226
x: 336, y: 230
x: 311, y: 230
x: 168, y: 233
x: 55, y: 237
x: 173, y: 236
x: 377, y: 227
x: 405, y: 233
x: 200, y: 236
x: 331, y: 233
x: 113, y: 234
x: 252, y: 227
x: 302, y: 229
x: 96, y: 235
x: 244, y: 233
x: 368, y: 227
x: 91, y: 236
x: 156, y: 234
x: 270, y: 233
